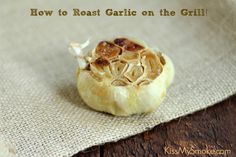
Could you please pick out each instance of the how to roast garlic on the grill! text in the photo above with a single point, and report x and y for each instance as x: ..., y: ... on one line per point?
x: 122, y: 76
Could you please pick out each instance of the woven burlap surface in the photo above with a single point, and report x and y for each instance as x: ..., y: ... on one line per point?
x: 40, y: 109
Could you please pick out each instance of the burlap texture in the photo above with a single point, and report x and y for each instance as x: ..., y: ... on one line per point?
x: 40, y: 110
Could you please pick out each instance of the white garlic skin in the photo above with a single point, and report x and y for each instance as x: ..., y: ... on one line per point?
x: 125, y: 100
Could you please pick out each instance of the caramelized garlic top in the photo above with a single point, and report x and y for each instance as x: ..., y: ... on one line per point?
x: 124, y: 62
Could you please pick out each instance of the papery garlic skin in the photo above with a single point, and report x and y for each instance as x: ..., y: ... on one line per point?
x: 124, y: 100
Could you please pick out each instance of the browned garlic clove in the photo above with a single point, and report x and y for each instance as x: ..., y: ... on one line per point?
x: 128, y: 44
x: 107, y: 50
x: 100, y: 67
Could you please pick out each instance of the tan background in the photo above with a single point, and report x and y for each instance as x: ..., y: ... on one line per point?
x: 40, y: 110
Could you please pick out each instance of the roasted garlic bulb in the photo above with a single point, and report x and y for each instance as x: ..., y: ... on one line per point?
x: 122, y: 76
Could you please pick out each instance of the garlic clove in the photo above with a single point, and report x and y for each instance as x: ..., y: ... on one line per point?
x: 107, y: 50
x: 143, y: 82
x: 134, y: 72
x: 118, y: 67
x: 129, y: 56
x: 100, y: 67
x: 128, y: 44
x: 120, y: 82
x: 151, y: 64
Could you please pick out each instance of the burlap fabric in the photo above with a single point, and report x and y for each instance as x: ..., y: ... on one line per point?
x: 41, y: 112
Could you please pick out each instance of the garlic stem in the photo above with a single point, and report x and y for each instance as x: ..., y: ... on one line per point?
x: 76, y: 50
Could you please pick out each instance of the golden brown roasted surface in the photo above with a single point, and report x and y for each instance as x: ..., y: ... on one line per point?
x: 125, y: 62
x: 124, y: 77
